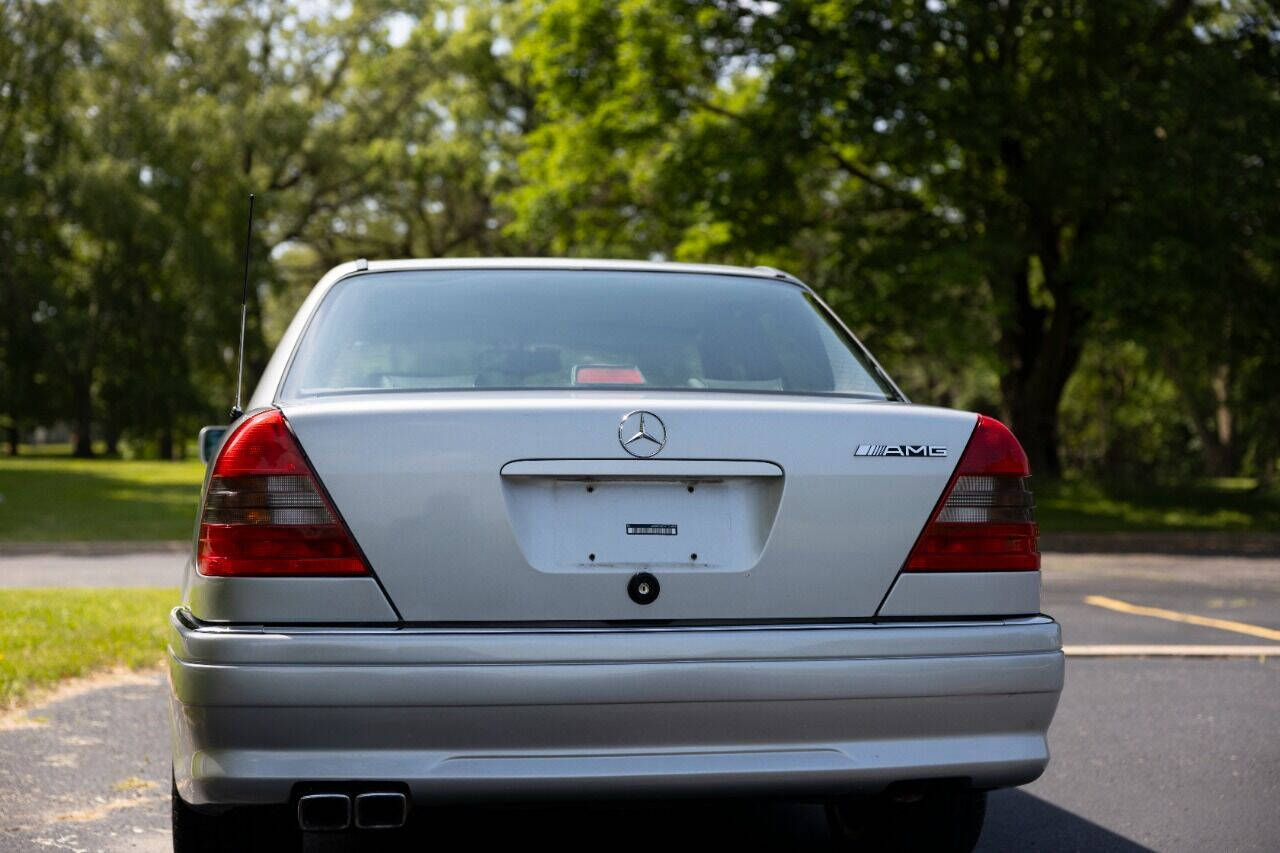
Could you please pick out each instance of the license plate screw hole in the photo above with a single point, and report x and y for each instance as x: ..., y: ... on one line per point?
x: 591, y: 488
x: 690, y: 489
x: 591, y: 557
x: 693, y: 556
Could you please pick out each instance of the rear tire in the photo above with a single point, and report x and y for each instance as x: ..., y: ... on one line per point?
x: 939, y: 820
x: 239, y: 829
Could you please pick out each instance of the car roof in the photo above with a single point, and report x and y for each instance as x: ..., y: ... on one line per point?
x: 570, y: 264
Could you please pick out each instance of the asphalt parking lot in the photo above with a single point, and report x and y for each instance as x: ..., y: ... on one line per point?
x: 1165, y: 738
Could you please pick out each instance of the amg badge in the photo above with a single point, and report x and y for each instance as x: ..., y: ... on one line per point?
x: 900, y: 450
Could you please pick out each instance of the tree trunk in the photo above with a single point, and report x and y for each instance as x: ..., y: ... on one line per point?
x: 1033, y: 416
x: 1210, y: 415
x: 166, y: 444
x: 112, y: 438
x: 1222, y: 455
x: 1218, y: 460
x: 1039, y: 358
x: 1266, y: 473
x: 84, y: 418
x: 12, y: 441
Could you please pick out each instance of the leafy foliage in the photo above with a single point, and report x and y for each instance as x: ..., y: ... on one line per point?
x: 1057, y: 211
x: 994, y: 176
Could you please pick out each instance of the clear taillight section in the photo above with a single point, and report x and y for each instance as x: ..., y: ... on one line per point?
x: 271, y: 499
x: 264, y: 513
x: 986, y: 522
x: 986, y: 499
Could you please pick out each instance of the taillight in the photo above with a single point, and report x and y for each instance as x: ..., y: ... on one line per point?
x: 986, y: 521
x: 264, y: 512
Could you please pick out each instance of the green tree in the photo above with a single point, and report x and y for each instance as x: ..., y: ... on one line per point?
x: 443, y: 111
x: 1206, y: 238
x: 36, y: 42
x: 998, y: 163
x: 986, y: 190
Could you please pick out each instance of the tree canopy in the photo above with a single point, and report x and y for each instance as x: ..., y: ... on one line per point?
x: 1055, y: 211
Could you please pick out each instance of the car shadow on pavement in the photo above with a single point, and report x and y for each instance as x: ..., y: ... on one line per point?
x: 596, y: 826
x: 1017, y: 820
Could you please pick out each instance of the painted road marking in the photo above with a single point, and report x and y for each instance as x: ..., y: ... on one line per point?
x: 1136, y: 651
x: 1188, y: 618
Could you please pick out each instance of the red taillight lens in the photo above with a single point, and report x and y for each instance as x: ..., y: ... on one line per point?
x: 264, y: 513
x: 986, y: 521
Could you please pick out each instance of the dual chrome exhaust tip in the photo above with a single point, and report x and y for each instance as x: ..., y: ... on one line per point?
x: 335, y: 811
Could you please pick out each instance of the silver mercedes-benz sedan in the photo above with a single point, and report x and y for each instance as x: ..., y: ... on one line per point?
x: 523, y: 529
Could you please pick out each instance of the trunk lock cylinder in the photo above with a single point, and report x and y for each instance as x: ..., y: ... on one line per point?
x: 643, y: 588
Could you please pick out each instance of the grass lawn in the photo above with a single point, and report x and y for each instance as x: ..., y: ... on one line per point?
x: 1090, y: 507
x: 46, y: 497
x: 49, y: 498
x: 47, y: 635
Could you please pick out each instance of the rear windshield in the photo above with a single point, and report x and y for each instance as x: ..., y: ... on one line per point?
x: 435, y: 330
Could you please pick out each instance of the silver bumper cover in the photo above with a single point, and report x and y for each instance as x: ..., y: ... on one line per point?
x: 522, y: 714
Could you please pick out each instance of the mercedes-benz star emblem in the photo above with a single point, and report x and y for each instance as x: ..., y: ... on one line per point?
x: 642, y: 434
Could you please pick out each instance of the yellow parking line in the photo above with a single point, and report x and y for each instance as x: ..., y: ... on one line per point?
x: 1188, y: 618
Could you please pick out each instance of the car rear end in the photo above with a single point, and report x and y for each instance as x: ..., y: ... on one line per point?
x: 526, y: 531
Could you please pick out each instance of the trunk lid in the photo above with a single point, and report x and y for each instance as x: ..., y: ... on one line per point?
x: 508, y: 507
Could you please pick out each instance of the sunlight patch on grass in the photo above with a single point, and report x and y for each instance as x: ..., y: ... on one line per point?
x: 47, y: 635
x: 56, y: 499
x: 1085, y: 506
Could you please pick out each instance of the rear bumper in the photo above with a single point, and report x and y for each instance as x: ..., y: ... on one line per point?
x: 522, y: 714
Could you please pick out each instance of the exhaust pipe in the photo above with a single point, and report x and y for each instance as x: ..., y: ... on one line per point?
x: 324, y: 812
x: 381, y: 810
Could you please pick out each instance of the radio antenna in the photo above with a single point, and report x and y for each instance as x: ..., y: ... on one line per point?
x: 236, y: 411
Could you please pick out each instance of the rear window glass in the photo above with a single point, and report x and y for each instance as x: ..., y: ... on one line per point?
x: 435, y: 330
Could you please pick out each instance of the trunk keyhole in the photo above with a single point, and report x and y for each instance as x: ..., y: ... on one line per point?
x: 643, y: 588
